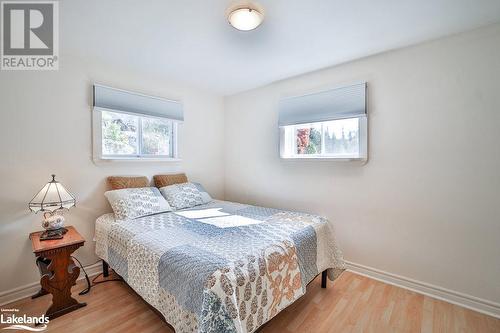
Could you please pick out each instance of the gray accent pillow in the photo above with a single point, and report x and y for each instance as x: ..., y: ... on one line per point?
x: 204, y: 194
x: 131, y: 203
x: 185, y: 195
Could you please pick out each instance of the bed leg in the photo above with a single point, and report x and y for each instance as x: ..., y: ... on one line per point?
x: 323, y: 279
x: 105, y: 269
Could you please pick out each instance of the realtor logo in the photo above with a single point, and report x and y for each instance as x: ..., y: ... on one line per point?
x: 30, y: 35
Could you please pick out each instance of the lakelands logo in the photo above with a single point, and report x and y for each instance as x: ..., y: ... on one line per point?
x: 26, y: 323
x: 30, y: 35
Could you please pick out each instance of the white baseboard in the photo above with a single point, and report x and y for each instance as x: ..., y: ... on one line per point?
x: 28, y: 290
x: 467, y: 301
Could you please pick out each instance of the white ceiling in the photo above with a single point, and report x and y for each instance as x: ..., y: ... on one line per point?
x: 190, y: 41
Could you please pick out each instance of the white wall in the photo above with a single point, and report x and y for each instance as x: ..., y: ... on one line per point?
x: 427, y: 204
x: 45, y: 127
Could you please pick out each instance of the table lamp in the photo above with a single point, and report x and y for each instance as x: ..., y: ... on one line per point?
x: 52, y: 199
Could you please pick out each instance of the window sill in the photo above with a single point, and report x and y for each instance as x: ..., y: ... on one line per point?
x: 326, y: 159
x: 101, y: 160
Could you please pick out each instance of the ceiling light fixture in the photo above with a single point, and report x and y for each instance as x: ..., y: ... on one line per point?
x: 245, y: 18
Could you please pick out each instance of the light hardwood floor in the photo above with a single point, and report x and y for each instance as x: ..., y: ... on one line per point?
x: 352, y: 304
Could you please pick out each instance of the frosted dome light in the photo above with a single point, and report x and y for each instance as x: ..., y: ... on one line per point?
x: 245, y: 19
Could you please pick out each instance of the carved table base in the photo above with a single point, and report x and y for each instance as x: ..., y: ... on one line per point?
x: 59, y: 283
x: 61, y: 273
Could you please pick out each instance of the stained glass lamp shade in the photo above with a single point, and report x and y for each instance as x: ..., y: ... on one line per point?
x: 51, y: 200
x: 51, y: 197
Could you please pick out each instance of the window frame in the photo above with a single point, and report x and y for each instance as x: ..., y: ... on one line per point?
x: 97, y: 128
x: 284, y: 141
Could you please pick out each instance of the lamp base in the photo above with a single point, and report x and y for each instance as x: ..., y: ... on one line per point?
x: 53, y: 234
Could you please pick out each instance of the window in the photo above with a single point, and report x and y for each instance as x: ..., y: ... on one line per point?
x: 119, y: 134
x: 329, y: 139
x: 326, y: 125
x: 132, y: 126
x: 156, y: 137
x: 125, y: 135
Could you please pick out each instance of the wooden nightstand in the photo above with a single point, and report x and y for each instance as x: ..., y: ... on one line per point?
x: 62, y: 270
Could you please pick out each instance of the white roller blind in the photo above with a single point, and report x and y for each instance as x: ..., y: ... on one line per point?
x: 345, y: 102
x: 127, y: 101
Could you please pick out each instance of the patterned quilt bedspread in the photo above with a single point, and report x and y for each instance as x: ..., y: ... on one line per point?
x: 222, y: 266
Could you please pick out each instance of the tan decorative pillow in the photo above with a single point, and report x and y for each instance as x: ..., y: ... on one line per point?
x: 118, y: 183
x: 167, y: 180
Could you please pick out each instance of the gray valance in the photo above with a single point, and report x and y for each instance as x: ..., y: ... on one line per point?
x: 126, y: 101
x: 345, y: 102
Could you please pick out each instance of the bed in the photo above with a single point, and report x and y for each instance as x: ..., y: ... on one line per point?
x: 220, y: 266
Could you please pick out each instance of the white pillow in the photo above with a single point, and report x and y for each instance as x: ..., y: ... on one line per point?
x: 185, y: 195
x: 131, y: 203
